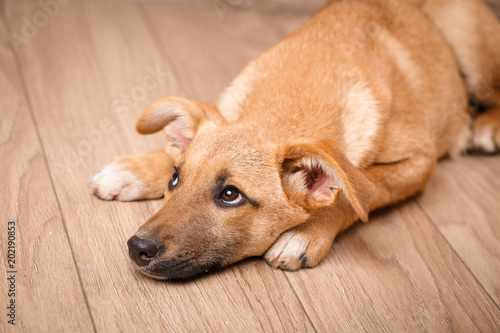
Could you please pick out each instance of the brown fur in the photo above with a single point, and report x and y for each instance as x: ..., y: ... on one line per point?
x: 348, y: 114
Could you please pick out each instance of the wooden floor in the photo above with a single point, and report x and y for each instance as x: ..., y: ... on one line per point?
x: 75, y: 76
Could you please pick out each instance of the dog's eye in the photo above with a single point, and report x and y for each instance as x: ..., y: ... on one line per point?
x: 231, y: 196
x: 174, y: 180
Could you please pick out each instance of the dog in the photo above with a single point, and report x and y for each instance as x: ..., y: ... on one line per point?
x: 348, y: 114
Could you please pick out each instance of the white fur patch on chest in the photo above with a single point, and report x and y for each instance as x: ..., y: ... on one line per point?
x: 361, y: 120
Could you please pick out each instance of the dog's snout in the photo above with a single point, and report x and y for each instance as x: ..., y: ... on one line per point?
x: 142, y: 251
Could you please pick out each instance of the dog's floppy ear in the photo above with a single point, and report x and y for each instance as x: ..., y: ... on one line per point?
x: 179, y: 117
x: 313, y: 175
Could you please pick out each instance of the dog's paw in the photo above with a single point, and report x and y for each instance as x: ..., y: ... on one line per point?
x: 114, y: 181
x: 486, y: 136
x: 298, y: 248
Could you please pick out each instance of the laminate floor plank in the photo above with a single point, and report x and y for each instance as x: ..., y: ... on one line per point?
x: 43, y: 279
x: 428, y: 264
x: 85, y: 72
x: 395, y: 274
x: 462, y: 200
x: 208, y: 61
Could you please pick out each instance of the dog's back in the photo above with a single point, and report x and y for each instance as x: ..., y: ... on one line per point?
x: 370, y: 72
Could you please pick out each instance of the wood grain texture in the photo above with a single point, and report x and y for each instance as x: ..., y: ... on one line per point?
x: 395, y: 274
x: 230, y: 6
x: 426, y: 265
x: 275, y: 6
x: 470, y: 217
x: 48, y: 294
x: 207, y: 62
x: 96, y: 56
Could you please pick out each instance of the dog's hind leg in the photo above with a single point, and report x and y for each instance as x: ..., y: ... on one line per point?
x: 473, y: 32
x: 486, y: 136
x: 306, y: 244
x: 134, y: 177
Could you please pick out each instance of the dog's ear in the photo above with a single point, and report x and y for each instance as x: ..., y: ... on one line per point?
x: 313, y: 175
x: 180, y: 118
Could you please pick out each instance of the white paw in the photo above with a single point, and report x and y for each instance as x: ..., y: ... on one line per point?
x: 115, y: 182
x: 288, y: 252
x: 487, y: 132
x: 484, y: 139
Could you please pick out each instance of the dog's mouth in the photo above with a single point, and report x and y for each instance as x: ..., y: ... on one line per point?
x: 175, y: 269
x: 155, y: 261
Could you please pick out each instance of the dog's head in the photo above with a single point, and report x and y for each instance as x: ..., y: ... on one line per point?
x: 234, y: 190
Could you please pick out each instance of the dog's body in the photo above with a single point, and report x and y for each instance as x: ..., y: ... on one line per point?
x: 348, y: 114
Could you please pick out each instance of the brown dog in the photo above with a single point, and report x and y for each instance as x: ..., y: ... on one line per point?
x: 348, y: 114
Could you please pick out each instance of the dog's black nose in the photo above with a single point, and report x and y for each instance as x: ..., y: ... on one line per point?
x: 142, y: 251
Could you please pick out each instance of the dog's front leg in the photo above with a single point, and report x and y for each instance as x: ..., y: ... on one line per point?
x: 134, y: 177
x: 305, y: 245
